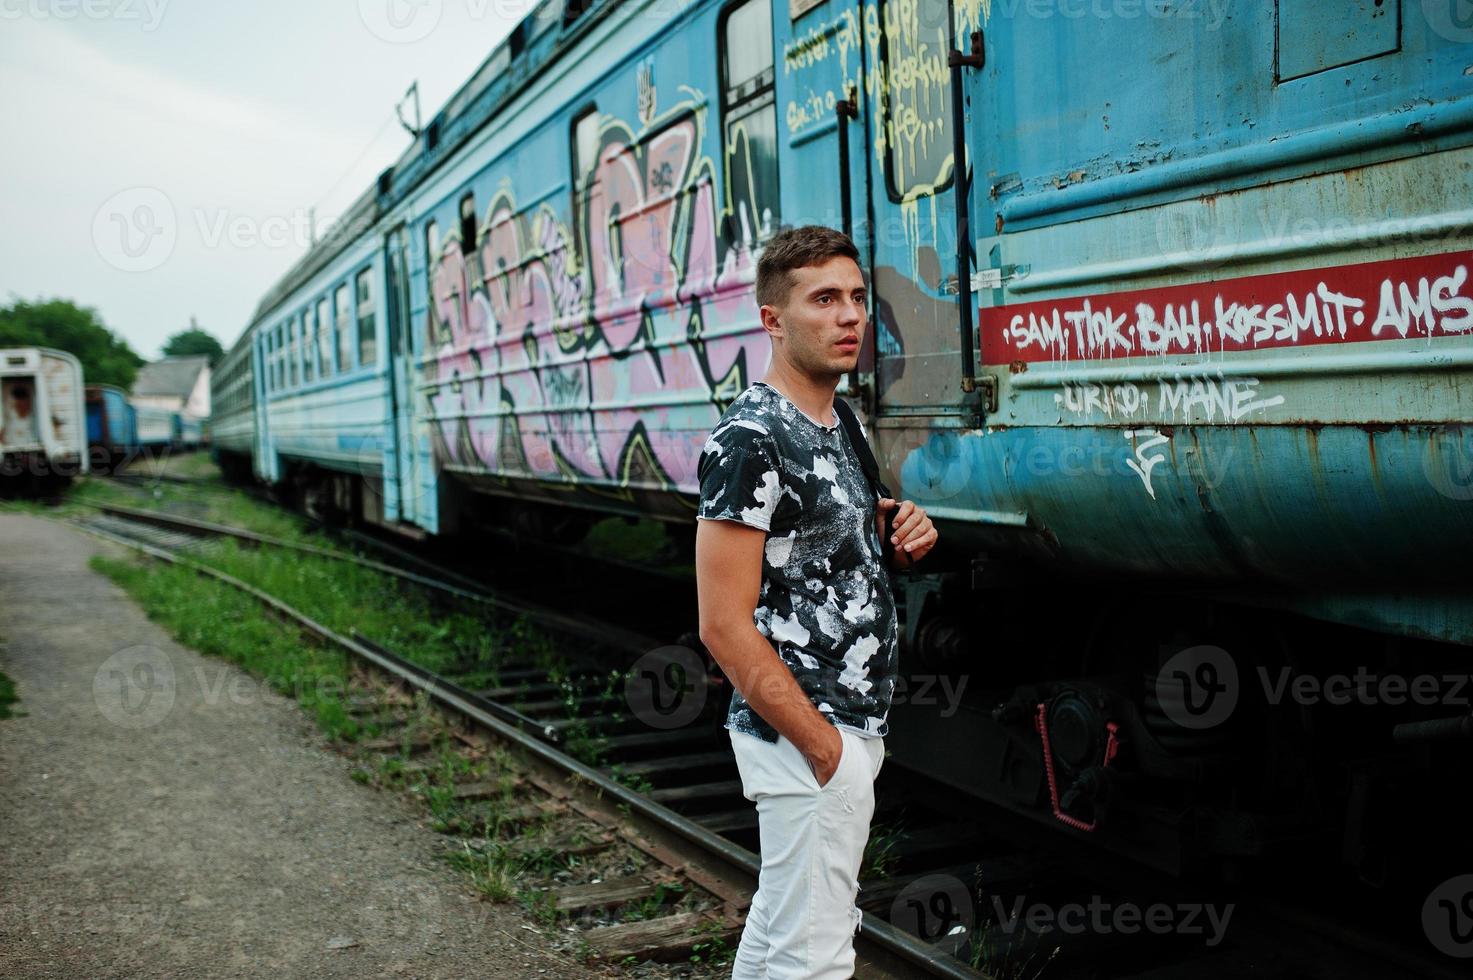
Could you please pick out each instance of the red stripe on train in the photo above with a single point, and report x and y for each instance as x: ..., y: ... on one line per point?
x: 1427, y: 296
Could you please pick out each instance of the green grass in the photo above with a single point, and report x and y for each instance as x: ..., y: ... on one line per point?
x: 8, y: 698
x: 223, y: 506
x: 220, y: 621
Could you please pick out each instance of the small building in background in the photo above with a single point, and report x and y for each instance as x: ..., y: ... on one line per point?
x: 172, y: 397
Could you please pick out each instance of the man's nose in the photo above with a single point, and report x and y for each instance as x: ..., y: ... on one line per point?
x: 851, y: 311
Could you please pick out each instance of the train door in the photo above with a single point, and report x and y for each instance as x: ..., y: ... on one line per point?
x: 265, y: 456
x: 825, y: 121
x: 18, y: 428
x: 401, y: 479
x: 913, y: 192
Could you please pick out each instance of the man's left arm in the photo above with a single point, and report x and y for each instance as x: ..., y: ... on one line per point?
x: 913, y: 536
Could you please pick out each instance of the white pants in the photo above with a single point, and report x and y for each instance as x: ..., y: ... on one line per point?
x: 803, y: 918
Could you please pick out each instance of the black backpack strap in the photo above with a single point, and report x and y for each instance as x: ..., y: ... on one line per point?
x: 861, y: 448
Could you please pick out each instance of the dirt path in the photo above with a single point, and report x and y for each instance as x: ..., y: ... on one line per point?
x: 207, y: 834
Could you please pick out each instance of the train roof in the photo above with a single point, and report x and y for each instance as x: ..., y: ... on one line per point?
x: 537, y: 41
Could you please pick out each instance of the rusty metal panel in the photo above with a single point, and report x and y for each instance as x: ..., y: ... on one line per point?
x: 1312, y: 36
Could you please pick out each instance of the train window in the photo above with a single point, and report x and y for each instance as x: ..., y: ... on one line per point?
x: 917, y: 100
x: 367, y: 339
x: 280, y: 358
x: 432, y: 259
x: 468, y: 226
x: 309, y: 345
x: 584, y: 156
x: 341, y: 317
x: 749, y: 112
x: 293, y: 352
x: 324, y: 337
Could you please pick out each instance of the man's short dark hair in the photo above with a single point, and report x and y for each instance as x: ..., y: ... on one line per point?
x: 797, y: 248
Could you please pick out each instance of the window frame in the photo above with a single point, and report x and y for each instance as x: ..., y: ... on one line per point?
x: 891, y: 191
x: 575, y: 188
x: 363, y: 281
x: 325, y: 336
x: 293, y: 352
x: 342, y: 312
x: 751, y: 102
x: 430, y: 239
x: 309, y: 346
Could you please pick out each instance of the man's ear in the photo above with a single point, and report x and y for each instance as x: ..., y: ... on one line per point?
x: 771, y: 321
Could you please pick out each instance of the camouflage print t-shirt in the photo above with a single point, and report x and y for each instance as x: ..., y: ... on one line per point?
x: 825, y: 602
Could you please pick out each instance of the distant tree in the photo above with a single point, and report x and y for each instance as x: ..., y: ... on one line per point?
x: 106, y: 358
x: 194, y: 341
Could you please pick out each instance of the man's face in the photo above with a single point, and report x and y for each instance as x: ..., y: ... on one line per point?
x: 821, y: 325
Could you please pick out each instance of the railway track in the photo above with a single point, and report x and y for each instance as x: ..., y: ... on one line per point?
x: 968, y: 883
x: 685, y: 827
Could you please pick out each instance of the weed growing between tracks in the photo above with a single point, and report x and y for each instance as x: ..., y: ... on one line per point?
x: 8, y: 698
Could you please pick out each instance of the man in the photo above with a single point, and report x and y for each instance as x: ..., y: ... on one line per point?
x: 796, y: 606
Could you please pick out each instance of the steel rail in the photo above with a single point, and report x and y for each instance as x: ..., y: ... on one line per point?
x: 884, y: 935
x: 606, y: 633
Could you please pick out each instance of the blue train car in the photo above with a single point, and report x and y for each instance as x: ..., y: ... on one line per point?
x: 156, y: 426
x: 112, y: 426
x: 232, y: 410
x: 1170, y: 324
x: 319, y: 382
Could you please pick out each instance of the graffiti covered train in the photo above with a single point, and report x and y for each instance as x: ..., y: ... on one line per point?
x: 1181, y: 348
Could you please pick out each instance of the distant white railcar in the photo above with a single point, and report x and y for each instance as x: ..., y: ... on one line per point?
x: 43, y: 419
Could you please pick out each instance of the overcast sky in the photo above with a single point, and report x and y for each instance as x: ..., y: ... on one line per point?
x: 160, y: 156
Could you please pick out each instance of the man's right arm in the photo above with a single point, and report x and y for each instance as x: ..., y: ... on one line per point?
x: 728, y: 583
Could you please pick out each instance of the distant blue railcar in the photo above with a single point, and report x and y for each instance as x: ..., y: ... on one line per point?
x: 1172, y: 333
x: 112, y: 426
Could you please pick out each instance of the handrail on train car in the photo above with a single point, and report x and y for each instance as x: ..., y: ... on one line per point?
x: 956, y: 61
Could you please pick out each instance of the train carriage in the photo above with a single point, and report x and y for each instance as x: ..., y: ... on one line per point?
x: 43, y: 421
x: 1170, y: 330
x: 232, y: 410
x: 112, y: 426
